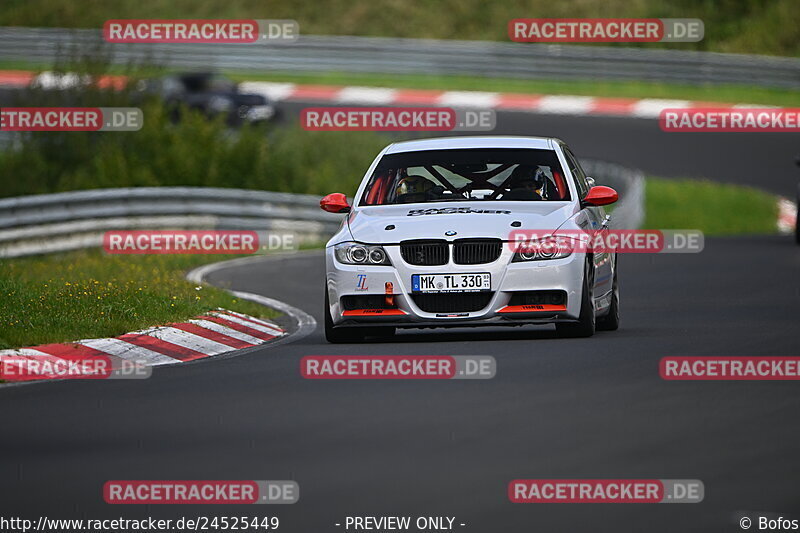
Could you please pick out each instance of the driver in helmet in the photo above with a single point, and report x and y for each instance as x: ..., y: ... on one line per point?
x: 411, y: 189
x: 527, y: 183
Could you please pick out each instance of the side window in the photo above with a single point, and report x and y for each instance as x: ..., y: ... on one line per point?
x: 577, y: 172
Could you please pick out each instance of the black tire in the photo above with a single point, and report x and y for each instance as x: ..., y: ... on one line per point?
x: 610, y: 322
x: 585, y: 325
x: 339, y: 335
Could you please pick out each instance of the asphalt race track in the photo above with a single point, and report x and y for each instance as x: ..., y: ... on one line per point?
x: 558, y: 408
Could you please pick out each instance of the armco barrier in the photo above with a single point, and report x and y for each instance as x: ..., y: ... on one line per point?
x: 71, y: 220
x: 59, y: 222
x: 313, y: 53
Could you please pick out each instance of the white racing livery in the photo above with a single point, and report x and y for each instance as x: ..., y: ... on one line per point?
x: 430, y: 241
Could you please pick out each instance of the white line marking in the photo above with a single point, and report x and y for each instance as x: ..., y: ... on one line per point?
x: 198, y: 274
x: 253, y: 325
x: 248, y: 317
x: 305, y: 322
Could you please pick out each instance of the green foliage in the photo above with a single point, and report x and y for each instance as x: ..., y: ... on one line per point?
x: 744, y: 26
x: 193, y: 152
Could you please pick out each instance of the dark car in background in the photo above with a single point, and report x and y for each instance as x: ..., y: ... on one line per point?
x: 210, y: 93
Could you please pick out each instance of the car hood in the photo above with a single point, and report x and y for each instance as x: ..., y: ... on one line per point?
x: 467, y: 219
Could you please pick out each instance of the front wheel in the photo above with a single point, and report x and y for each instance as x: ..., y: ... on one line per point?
x: 585, y: 325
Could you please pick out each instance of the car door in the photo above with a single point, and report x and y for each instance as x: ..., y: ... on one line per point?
x: 598, y: 221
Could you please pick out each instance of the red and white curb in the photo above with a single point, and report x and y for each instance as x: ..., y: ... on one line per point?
x: 215, y: 333
x: 553, y: 104
x: 787, y: 215
x: 379, y: 96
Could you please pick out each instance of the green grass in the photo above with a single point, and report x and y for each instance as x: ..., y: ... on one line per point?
x: 714, y: 208
x: 87, y: 294
x: 746, y: 26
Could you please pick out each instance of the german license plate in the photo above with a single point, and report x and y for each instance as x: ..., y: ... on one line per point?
x: 481, y: 281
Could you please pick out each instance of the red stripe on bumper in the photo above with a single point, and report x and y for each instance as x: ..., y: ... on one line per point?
x: 533, y: 308
x: 374, y: 312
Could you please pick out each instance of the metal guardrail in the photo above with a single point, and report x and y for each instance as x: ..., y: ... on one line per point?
x: 47, y: 223
x: 59, y: 222
x: 418, y: 56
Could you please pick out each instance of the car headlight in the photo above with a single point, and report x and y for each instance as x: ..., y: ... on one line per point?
x: 355, y: 253
x: 543, y: 249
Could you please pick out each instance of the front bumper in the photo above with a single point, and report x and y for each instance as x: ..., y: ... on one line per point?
x: 507, y: 278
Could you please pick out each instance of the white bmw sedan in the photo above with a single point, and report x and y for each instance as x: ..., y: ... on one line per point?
x: 432, y: 240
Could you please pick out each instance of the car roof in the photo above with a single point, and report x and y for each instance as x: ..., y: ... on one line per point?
x: 466, y: 142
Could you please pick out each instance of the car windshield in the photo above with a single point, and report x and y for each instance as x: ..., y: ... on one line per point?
x: 466, y: 175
